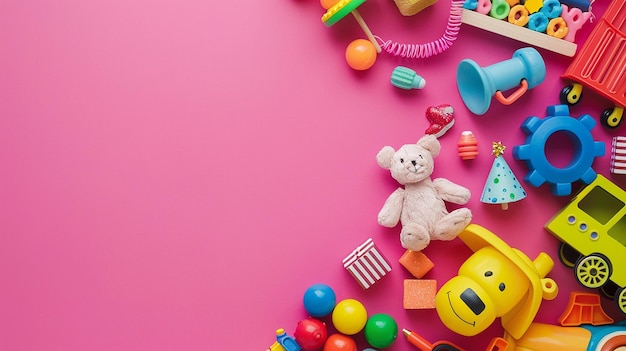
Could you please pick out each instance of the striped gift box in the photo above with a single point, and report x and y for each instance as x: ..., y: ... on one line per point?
x: 618, y: 155
x: 366, y: 264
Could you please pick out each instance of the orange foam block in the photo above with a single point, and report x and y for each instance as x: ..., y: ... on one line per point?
x: 419, y: 294
x: 416, y: 263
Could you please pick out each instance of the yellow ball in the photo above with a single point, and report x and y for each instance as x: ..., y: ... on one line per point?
x: 361, y: 54
x: 349, y: 317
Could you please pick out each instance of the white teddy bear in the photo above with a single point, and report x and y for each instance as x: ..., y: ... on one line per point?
x: 419, y: 205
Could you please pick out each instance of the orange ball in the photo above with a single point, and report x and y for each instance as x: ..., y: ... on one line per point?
x: 340, y: 342
x: 326, y: 4
x: 361, y: 54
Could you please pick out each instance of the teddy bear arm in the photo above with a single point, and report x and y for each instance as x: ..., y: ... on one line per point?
x: 451, y: 192
x: 389, y: 215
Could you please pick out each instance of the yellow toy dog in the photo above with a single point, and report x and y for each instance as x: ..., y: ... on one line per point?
x: 496, y: 281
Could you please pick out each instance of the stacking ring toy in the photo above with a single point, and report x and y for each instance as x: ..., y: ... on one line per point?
x: 340, y: 10
x: 557, y: 28
x: 538, y: 22
x: 518, y: 15
x: 484, y: 6
x: 499, y: 9
x: 470, y: 4
x: 534, y: 151
x: 551, y: 8
x: 343, y: 8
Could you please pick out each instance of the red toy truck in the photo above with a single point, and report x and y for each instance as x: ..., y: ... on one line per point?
x: 601, y: 65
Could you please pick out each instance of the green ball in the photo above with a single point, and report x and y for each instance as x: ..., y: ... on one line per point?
x: 381, y: 330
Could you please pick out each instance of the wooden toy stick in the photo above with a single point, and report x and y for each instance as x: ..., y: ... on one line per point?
x: 522, y: 34
x: 340, y: 9
x: 359, y: 19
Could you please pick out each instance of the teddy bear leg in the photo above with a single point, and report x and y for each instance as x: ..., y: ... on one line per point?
x: 452, y: 224
x: 414, y: 237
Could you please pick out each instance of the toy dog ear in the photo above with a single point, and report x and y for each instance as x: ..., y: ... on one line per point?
x: 430, y: 143
x: 384, y: 157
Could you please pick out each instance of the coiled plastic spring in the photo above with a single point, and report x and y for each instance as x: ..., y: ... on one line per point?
x: 434, y: 47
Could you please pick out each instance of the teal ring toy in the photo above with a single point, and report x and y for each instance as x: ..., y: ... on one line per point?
x: 538, y: 132
x: 470, y: 4
x: 551, y: 8
x: 538, y: 22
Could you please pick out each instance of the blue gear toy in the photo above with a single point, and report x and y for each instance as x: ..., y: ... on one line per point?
x: 538, y: 132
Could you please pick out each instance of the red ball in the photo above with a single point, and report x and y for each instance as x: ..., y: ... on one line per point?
x: 311, y: 334
x: 340, y: 342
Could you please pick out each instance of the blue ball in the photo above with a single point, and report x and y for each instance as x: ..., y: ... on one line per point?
x: 319, y: 300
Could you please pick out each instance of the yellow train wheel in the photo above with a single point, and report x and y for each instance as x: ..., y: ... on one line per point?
x: 620, y: 298
x: 568, y: 255
x: 571, y: 94
x: 609, y: 290
x: 612, y: 117
x: 593, y: 271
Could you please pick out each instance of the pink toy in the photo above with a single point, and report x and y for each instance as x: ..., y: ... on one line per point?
x: 484, y: 6
x: 575, y: 19
x: 419, y: 205
x: 432, y: 48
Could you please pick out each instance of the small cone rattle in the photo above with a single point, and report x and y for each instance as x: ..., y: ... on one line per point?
x: 337, y: 10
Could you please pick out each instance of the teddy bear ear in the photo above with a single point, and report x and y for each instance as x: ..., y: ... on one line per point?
x: 430, y: 143
x: 384, y: 157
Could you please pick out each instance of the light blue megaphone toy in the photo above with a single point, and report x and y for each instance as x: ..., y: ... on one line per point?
x: 477, y: 85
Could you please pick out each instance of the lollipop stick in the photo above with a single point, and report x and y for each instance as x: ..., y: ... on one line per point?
x: 366, y: 29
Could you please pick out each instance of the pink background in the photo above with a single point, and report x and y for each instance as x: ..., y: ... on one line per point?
x: 177, y: 173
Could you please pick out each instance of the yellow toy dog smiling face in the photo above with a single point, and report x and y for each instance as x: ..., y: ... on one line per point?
x: 488, y: 286
x: 495, y: 281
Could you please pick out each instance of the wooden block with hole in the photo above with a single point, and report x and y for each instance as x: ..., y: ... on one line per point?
x: 419, y: 294
x: 416, y: 263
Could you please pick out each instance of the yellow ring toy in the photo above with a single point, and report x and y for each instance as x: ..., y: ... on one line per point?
x: 518, y: 15
x: 557, y: 28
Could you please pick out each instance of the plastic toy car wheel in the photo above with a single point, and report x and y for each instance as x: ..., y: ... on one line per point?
x: 571, y: 94
x: 568, y: 255
x: 612, y: 117
x: 593, y: 271
x: 609, y: 290
x: 620, y: 298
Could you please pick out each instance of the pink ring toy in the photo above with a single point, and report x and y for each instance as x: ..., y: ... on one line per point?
x: 484, y: 6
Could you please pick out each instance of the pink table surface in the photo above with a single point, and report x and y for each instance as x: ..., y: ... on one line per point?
x: 175, y: 174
